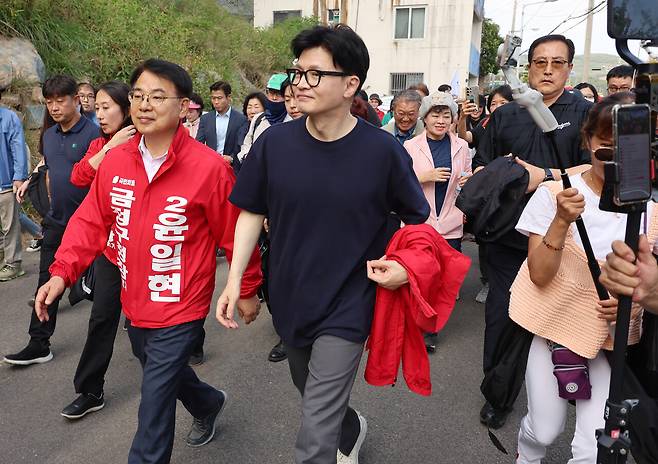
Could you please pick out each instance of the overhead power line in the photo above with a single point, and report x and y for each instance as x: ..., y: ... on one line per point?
x: 571, y: 18
x: 594, y: 11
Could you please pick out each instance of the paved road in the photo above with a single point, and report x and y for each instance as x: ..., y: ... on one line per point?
x: 260, y: 422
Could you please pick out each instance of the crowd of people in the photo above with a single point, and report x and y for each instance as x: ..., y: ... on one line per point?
x: 278, y: 188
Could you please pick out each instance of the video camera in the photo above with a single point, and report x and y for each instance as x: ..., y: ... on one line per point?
x: 630, y: 181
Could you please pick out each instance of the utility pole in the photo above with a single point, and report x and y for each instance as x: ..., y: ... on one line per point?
x: 588, y: 42
x: 516, y: 4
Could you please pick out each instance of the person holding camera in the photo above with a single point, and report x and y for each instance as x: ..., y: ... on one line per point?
x: 511, y: 130
x: 554, y: 298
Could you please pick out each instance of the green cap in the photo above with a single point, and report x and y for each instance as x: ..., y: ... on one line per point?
x: 275, y: 81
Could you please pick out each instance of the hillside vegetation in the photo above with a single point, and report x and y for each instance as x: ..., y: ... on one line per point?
x: 100, y: 40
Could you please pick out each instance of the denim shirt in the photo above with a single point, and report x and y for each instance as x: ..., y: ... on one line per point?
x: 13, y: 157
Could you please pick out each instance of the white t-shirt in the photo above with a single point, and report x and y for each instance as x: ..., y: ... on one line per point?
x: 603, y: 227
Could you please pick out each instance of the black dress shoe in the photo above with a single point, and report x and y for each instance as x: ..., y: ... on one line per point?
x: 493, y: 418
x: 485, y: 412
x: 203, y: 429
x: 83, y: 404
x: 278, y: 353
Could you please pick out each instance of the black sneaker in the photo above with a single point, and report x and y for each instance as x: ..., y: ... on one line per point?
x: 196, y: 359
x: 278, y: 353
x: 31, y: 354
x: 35, y: 245
x: 203, y: 429
x: 431, y: 340
x: 83, y: 404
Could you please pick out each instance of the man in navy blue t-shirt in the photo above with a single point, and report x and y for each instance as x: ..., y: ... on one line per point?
x: 64, y: 144
x: 328, y: 198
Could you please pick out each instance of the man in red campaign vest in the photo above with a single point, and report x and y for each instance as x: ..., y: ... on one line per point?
x: 162, y: 199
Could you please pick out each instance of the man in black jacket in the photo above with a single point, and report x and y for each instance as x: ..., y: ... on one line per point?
x: 511, y: 130
x: 220, y: 129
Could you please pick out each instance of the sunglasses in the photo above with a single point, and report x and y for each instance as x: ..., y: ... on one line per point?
x: 603, y: 153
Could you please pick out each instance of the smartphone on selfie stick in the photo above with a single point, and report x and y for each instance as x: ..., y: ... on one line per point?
x: 627, y: 189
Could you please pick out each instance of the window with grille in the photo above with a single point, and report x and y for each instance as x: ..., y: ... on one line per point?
x: 402, y: 81
x: 410, y: 23
x: 333, y: 16
x: 281, y: 16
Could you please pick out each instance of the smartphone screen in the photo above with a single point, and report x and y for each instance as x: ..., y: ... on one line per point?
x: 632, y: 129
x: 634, y: 19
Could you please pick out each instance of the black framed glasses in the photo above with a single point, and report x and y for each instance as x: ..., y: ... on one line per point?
x: 312, y: 76
x: 614, y: 89
x: 155, y: 99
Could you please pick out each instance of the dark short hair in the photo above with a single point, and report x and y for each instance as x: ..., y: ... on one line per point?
x: 587, y: 85
x: 61, y: 85
x: 620, y: 71
x: 599, y: 118
x: 196, y: 98
x: 553, y: 38
x: 167, y: 70
x: 504, y: 91
x: 93, y: 88
x: 260, y: 96
x: 118, y: 92
x: 347, y: 49
x: 444, y: 88
x: 223, y: 86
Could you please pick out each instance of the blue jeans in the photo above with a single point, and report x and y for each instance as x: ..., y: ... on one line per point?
x: 29, y: 226
x: 163, y: 354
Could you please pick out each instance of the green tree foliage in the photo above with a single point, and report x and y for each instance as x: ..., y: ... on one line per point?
x: 101, y: 40
x: 491, y: 39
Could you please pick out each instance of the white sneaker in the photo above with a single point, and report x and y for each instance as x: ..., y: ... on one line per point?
x: 353, y: 458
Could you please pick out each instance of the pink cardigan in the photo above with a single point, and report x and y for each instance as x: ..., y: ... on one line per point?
x: 449, y: 222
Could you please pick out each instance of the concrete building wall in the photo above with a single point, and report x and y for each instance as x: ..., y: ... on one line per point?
x: 451, y: 37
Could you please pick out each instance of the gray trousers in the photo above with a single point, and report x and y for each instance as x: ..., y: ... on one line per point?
x: 324, y: 374
x: 11, y: 227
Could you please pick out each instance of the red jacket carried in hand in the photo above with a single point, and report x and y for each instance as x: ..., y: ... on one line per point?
x: 435, y: 272
x: 164, y: 232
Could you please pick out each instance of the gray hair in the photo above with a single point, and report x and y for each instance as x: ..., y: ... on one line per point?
x: 408, y: 96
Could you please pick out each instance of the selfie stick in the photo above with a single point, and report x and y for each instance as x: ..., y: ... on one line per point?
x: 533, y: 101
x: 614, y: 442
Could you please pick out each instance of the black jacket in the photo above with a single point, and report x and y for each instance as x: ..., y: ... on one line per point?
x: 494, y: 198
x: 511, y: 130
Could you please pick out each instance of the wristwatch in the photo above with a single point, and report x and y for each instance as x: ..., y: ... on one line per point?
x: 549, y: 175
